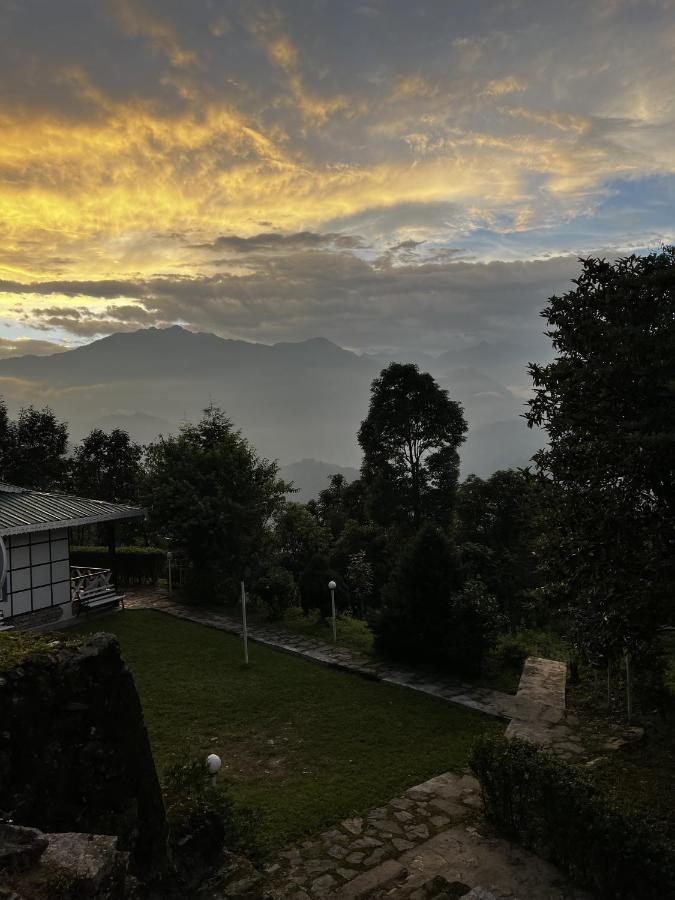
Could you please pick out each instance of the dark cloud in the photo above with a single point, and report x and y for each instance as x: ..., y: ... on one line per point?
x: 274, y: 241
x: 340, y: 296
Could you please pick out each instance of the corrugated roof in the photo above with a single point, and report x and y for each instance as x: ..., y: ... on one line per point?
x: 23, y: 510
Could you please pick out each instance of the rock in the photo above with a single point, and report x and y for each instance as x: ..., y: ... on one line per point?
x: 355, y: 859
x: 400, y: 844
x: 86, y: 865
x: 375, y: 857
x: 403, y: 816
x: 347, y: 874
x: 368, y: 882
x: 323, y: 886
x: 353, y: 826
x: 20, y: 848
x: 439, y: 821
x: 365, y: 843
x: 337, y: 852
x: 417, y: 832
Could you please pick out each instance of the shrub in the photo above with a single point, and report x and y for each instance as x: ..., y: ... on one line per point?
x: 278, y: 591
x: 203, y: 819
x: 133, y: 565
x: 553, y: 809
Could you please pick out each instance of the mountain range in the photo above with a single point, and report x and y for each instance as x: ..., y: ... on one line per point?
x: 299, y: 402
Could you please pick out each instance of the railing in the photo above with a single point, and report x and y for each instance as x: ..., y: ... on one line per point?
x: 85, y: 579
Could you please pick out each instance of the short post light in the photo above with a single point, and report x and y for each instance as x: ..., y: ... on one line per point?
x: 213, y: 764
x: 331, y: 588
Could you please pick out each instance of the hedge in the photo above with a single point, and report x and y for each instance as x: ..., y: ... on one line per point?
x: 553, y: 809
x: 133, y: 565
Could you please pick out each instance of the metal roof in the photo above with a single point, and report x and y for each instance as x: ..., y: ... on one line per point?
x: 23, y: 510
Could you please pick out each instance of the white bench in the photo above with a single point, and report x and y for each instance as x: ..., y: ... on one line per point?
x: 93, y: 590
x: 3, y: 625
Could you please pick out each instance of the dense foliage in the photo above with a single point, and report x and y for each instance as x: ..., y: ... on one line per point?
x: 607, y: 402
x: 33, y: 449
x: 552, y: 808
x: 409, y: 440
x: 133, y: 565
x: 430, y: 613
x: 213, y: 498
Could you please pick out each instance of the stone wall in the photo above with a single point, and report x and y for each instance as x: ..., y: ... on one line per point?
x: 74, y: 751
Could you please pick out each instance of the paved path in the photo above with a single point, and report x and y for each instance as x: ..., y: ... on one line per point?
x: 535, y: 713
x: 424, y: 844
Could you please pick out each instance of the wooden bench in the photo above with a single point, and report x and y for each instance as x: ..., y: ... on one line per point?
x: 3, y: 624
x: 93, y: 590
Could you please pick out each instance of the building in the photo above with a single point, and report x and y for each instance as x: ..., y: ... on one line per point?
x: 41, y: 587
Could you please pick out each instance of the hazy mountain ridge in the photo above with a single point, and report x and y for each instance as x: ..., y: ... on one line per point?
x: 293, y: 401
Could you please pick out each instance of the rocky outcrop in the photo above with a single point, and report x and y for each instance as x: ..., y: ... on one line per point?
x: 74, y: 751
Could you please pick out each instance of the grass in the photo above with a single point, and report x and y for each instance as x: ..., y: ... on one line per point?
x: 306, y: 744
x: 16, y: 646
x: 352, y: 633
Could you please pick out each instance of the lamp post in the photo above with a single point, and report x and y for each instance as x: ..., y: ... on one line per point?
x: 169, y: 556
x: 331, y: 588
x: 213, y: 764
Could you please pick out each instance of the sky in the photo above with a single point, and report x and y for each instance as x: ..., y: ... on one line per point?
x: 383, y: 173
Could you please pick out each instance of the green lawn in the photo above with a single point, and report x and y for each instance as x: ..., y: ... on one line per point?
x: 306, y: 744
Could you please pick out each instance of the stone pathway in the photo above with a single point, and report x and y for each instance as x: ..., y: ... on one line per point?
x: 424, y: 844
x: 536, y: 712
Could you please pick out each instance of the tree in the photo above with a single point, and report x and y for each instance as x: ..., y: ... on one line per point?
x: 359, y: 576
x: 6, y: 442
x: 298, y: 537
x: 416, y: 601
x: 410, y: 439
x: 607, y: 403
x: 499, y: 522
x: 210, y: 494
x: 107, y: 467
x: 37, y: 444
x: 339, y: 503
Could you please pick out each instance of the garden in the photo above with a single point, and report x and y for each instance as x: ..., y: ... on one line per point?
x: 305, y: 745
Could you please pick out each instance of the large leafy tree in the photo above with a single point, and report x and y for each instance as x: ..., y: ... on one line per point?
x: 107, y: 466
x: 410, y: 439
x: 213, y: 497
x: 298, y: 537
x: 607, y: 402
x: 430, y: 613
x: 36, y: 444
x: 499, y: 523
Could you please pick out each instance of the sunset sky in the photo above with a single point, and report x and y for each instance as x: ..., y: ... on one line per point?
x: 384, y: 174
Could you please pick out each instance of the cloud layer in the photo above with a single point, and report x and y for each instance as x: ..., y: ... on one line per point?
x: 378, y: 172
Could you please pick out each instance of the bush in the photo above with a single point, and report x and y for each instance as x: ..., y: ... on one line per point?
x: 553, y: 809
x: 203, y: 819
x: 133, y: 565
x: 278, y: 591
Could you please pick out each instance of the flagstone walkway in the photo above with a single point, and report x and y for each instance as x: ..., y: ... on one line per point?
x: 426, y: 843
x: 536, y: 712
